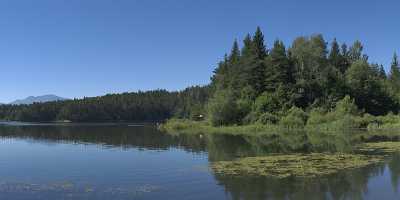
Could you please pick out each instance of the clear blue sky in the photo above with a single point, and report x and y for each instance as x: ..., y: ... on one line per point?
x: 76, y: 48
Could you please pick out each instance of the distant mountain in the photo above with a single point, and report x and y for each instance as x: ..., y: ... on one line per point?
x: 38, y: 99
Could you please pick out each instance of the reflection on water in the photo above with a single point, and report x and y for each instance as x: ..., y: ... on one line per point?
x: 117, y: 161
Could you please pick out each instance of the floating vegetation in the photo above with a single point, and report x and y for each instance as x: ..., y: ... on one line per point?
x: 306, y: 165
x: 297, y: 165
x: 379, y: 148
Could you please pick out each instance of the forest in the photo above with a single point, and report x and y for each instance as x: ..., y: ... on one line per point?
x: 150, y: 106
x: 255, y: 83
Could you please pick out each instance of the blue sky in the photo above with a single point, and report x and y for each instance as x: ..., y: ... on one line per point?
x: 75, y: 48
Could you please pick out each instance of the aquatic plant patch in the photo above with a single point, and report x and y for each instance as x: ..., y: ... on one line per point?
x: 294, y: 165
x: 307, y: 165
x: 379, y: 148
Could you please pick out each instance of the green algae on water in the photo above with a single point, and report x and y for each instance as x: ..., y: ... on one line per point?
x: 380, y: 148
x: 294, y: 165
x: 307, y: 165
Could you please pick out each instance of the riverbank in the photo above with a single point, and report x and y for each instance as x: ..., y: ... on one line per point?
x: 367, y: 130
x: 182, y: 126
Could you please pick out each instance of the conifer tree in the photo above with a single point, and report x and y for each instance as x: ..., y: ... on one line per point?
x: 258, y: 70
x: 278, y: 68
x: 259, y: 45
x: 247, y: 62
x: 394, y: 76
x: 355, y: 52
x: 345, y: 62
x: 251, y: 65
x: 382, y: 72
x: 235, y: 53
x: 335, y: 57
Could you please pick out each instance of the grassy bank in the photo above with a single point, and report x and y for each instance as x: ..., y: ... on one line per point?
x: 182, y: 126
x: 366, y: 128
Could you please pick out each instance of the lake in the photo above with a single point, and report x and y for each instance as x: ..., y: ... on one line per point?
x: 123, y: 161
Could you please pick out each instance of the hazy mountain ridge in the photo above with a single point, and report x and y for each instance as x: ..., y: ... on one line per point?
x: 37, y: 99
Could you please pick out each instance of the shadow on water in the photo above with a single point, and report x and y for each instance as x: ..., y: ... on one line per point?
x: 219, y: 146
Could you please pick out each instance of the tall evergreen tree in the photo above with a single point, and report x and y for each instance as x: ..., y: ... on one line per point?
x: 258, y: 70
x: 279, y: 70
x: 355, y: 52
x: 235, y: 53
x: 394, y: 76
x: 251, y: 62
x: 248, y: 61
x: 367, y: 89
x: 382, y: 72
x: 335, y: 58
x: 259, y: 44
x: 234, y: 62
x: 345, y: 62
x: 220, y: 79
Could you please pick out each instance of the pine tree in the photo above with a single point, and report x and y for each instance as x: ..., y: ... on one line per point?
x: 235, y: 53
x: 382, y: 72
x: 247, y: 62
x: 251, y: 66
x: 220, y: 79
x: 345, y: 62
x: 394, y: 76
x: 258, y: 70
x: 259, y: 45
x: 355, y: 52
x: 335, y: 57
x: 234, y: 62
x: 278, y: 68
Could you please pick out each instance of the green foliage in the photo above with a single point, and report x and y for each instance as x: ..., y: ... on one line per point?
x: 394, y: 76
x: 296, y: 118
x: 267, y: 102
x: 317, y: 116
x: 342, y: 117
x: 368, y: 90
x: 223, y: 108
x: 356, y: 52
x: 346, y: 106
x: 279, y: 71
x: 268, y: 118
x: 138, y: 106
x: 273, y: 102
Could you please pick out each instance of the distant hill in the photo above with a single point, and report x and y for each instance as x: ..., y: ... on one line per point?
x: 38, y: 99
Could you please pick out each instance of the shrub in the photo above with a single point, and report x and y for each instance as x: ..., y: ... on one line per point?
x: 251, y: 118
x: 296, y: 118
x: 317, y: 116
x: 267, y: 102
x: 368, y: 120
x: 346, y: 106
x: 268, y: 118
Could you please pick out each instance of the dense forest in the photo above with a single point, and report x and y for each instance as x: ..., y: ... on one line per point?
x: 154, y: 105
x: 252, y: 83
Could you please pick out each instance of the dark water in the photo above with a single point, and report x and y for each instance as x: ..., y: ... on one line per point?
x: 117, y: 161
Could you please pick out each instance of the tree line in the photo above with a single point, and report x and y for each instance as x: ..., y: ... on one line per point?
x: 253, y: 83
x: 153, y: 105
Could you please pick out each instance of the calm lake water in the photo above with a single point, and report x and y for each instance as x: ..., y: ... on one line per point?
x: 118, y: 161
